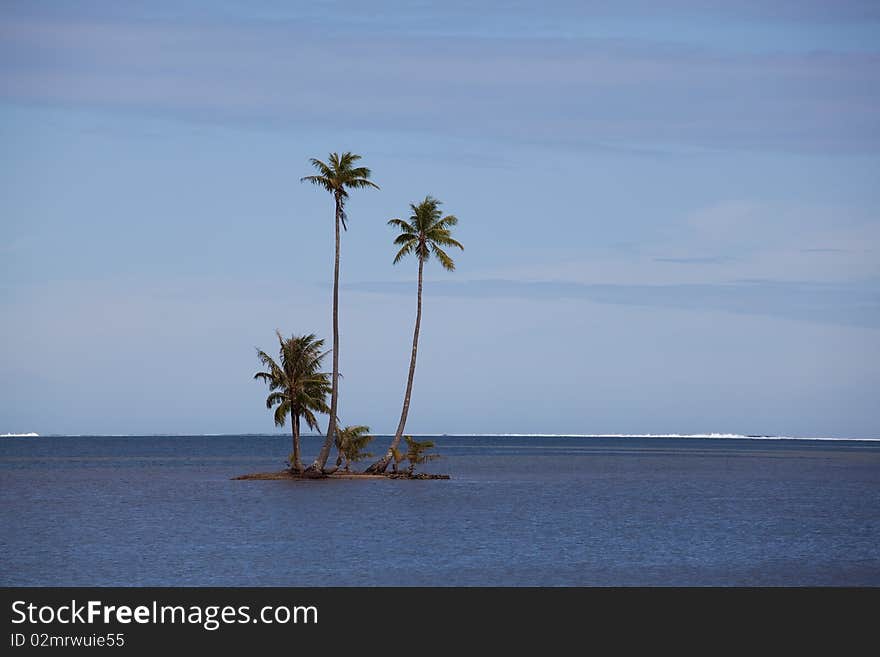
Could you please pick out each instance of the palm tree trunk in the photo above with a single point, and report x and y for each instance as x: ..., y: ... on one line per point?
x: 324, y: 454
x: 338, y: 456
x: 382, y: 464
x: 294, y: 429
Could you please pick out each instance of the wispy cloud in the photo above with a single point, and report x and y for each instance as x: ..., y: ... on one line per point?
x: 708, y: 260
x: 580, y: 93
x: 728, y: 240
x: 853, y: 304
x: 459, y: 15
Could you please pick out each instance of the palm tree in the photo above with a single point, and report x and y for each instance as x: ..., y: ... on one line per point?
x: 296, y: 386
x: 424, y: 235
x: 415, y: 452
x: 337, y: 177
x: 351, y: 442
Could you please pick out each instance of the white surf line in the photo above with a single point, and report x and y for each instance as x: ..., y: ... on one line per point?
x: 706, y: 436
x: 711, y: 436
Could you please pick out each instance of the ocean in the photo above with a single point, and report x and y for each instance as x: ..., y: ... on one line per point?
x: 519, y: 510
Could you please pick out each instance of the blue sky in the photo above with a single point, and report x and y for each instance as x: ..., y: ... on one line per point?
x: 671, y: 218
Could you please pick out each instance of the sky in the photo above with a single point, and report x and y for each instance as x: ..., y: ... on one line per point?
x: 671, y: 216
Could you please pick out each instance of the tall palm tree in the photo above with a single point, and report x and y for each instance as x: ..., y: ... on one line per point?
x: 336, y: 176
x: 296, y: 386
x: 424, y: 235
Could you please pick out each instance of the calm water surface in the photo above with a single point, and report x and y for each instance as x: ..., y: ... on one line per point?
x: 519, y: 511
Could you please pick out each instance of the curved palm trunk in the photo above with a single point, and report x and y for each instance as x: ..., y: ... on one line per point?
x: 294, y: 429
x: 324, y: 454
x: 382, y: 464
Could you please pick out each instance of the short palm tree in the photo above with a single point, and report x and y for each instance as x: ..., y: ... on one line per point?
x: 397, y: 457
x: 415, y: 452
x: 338, y: 175
x: 351, y: 442
x: 296, y: 386
x: 425, y: 234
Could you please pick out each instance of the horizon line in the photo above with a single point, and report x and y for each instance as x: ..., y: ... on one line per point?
x: 714, y: 436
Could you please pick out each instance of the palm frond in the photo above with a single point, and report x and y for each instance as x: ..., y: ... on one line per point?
x: 275, y: 376
x: 311, y: 420
x: 343, y: 217
x: 319, y: 181
x: 423, y: 250
x: 359, y: 182
x: 275, y: 398
x: 447, y: 262
x: 445, y: 239
x: 405, y: 251
x: 281, y: 412
x: 405, y: 238
x: 265, y: 377
x: 404, y: 226
x: 447, y: 221
x: 322, y: 168
x: 267, y: 360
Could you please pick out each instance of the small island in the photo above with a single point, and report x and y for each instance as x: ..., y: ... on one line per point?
x: 287, y: 475
x: 350, y: 443
x: 298, y: 389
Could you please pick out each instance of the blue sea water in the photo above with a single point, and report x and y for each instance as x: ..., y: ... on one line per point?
x: 163, y: 511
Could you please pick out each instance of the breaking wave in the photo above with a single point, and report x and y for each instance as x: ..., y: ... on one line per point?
x: 734, y: 436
